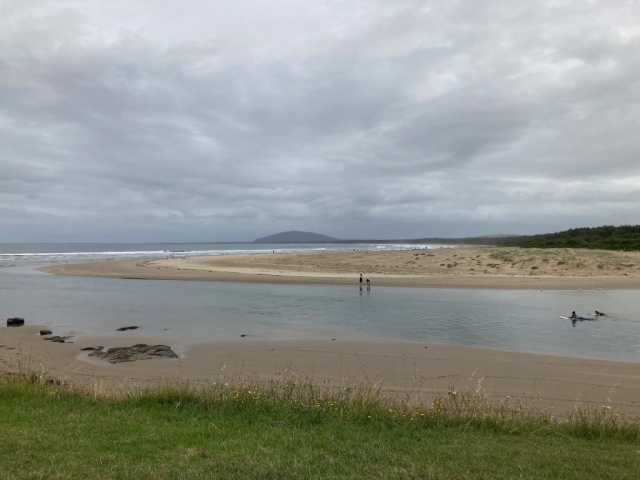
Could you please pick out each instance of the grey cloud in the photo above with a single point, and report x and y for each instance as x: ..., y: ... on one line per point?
x: 416, y: 119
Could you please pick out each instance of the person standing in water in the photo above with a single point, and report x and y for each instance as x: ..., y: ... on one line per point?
x: 361, y: 279
x: 368, y: 284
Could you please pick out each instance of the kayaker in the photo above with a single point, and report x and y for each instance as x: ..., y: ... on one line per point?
x: 600, y: 314
x: 573, y: 315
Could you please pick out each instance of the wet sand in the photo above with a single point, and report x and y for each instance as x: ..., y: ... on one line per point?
x: 462, y: 267
x: 414, y: 370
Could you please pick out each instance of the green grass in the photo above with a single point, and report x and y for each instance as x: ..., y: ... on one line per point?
x: 503, y: 255
x: 295, y: 429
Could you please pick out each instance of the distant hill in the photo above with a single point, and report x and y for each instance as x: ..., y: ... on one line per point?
x: 295, y: 237
x: 625, y: 237
x: 500, y: 235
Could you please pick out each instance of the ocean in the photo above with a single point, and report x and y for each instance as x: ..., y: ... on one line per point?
x: 187, y: 313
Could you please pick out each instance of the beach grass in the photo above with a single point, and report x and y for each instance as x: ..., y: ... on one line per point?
x: 294, y: 428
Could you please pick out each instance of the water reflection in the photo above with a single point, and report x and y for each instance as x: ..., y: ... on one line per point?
x: 209, y: 311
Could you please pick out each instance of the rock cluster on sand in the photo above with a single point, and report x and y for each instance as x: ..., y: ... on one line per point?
x: 45, y: 332
x: 141, y: 351
x: 15, y: 322
x: 132, y: 327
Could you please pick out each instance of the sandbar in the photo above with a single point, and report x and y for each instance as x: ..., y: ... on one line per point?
x: 460, y: 267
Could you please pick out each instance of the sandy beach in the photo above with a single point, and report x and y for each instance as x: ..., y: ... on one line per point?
x: 461, y: 267
x: 415, y: 370
x: 404, y: 368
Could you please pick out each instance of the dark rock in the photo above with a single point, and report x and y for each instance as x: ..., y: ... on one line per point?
x: 89, y: 349
x: 132, y: 327
x: 243, y: 335
x: 15, y: 322
x: 57, y: 339
x: 140, y: 351
x: 45, y: 332
x: 61, y: 339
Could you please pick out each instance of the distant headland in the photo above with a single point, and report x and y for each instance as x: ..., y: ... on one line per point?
x: 296, y: 237
x: 607, y: 237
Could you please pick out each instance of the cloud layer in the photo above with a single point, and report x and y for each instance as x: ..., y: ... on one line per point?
x: 211, y: 121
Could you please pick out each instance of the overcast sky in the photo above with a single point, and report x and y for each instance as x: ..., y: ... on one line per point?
x: 167, y: 120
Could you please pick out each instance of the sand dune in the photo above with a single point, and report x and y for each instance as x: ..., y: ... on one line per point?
x: 463, y: 267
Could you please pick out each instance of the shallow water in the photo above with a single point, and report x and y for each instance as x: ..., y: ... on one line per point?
x: 193, y: 312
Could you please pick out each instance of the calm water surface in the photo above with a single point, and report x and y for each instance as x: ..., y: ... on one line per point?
x: 193, y: 312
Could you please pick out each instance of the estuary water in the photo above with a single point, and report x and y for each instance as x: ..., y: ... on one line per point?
x: 194, y: 312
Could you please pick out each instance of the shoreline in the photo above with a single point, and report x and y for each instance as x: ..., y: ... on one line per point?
x: 461, y: 267
x: 419, y: 370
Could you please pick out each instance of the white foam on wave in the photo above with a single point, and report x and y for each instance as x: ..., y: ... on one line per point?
x: 78, y: 254
x: 141, y: 254
x: 114, y: 254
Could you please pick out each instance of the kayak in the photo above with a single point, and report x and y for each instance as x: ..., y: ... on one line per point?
x: 579, y: 318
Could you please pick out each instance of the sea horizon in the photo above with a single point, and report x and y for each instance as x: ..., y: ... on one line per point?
x: 57, y: 252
